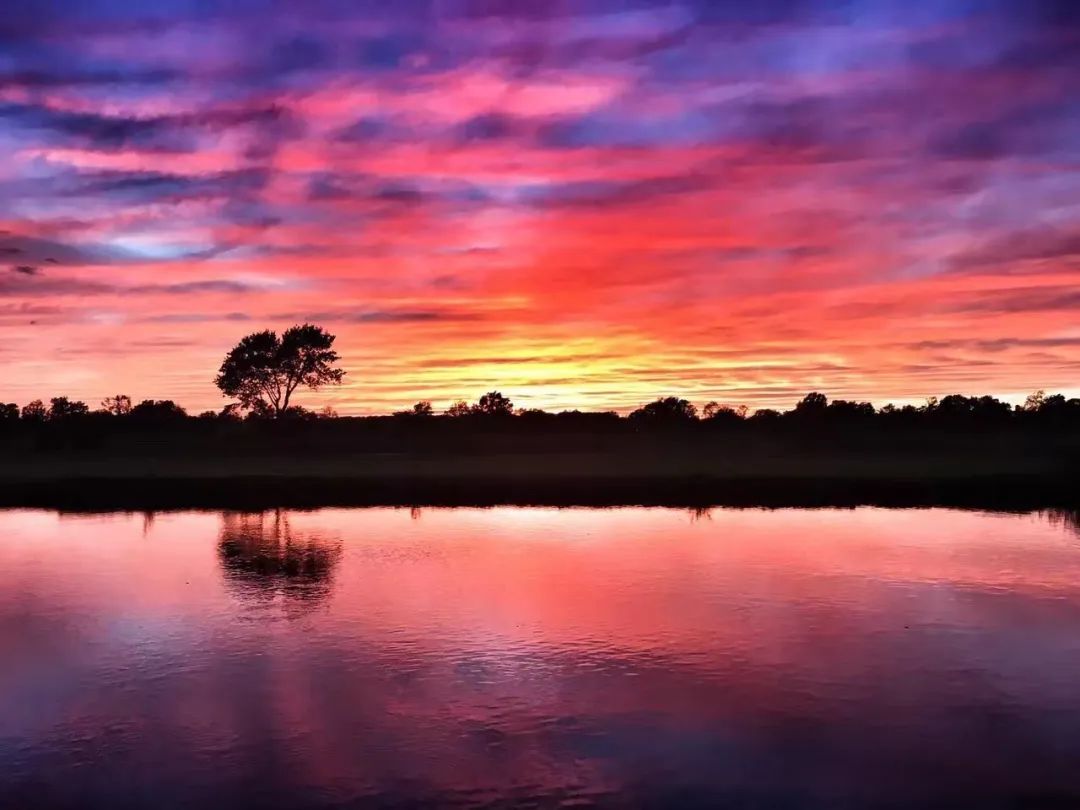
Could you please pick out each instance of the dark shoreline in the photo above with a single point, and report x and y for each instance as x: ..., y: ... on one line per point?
x: 257, y: 492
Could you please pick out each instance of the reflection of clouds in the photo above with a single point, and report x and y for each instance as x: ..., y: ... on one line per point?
x: 262, y: 557
x: 767, y: 658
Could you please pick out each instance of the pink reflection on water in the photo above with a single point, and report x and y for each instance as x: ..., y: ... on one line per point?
x: 540, y: 653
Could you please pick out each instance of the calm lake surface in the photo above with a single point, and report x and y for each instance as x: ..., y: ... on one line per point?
x: 369, y: 657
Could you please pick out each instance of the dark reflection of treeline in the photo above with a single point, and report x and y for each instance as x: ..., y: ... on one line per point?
x: 262, y: 556
x: 1065, y: 518
x: 164, y: 427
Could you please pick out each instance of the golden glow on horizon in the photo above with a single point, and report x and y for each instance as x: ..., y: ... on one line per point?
x: 675, y: 219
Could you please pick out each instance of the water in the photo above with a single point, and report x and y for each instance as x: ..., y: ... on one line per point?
x: 829, y: 658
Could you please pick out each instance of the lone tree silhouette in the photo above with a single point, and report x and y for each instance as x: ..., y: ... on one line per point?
x: 263, y: 371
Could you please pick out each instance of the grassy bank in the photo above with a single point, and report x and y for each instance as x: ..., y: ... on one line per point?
x: 981, y: 474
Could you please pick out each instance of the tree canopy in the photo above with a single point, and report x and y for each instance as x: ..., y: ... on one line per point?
x: 117, y: 405
x: 493, y: 403
x: 672, y: 410
x: 264, y: 370
x: 64, y: 408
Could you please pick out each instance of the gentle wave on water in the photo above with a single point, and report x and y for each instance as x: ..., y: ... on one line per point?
x: 789, y: 658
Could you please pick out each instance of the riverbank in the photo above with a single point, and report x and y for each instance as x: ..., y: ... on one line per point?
x: 675, y: 478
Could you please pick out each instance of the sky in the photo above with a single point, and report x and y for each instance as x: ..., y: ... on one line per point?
x: 581, y: 204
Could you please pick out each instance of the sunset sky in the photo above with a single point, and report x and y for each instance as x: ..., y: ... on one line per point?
x: 586, y: 204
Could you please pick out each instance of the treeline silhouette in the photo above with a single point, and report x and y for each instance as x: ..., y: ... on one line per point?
x: 264, y: 370
x: 1039, y: 408
x: 958, y: 450
x: 64, y: 422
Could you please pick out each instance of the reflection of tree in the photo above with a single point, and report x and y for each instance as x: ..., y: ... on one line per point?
x: 262, y: 556
x: 1065, y: 518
